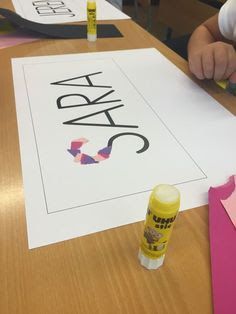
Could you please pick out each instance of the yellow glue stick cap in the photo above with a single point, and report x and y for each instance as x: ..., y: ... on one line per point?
x: 165, y: 197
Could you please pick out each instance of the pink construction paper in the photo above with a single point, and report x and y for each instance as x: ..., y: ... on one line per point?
x: 230, y: 206
x: 223, y: 250
x: 15, y: 38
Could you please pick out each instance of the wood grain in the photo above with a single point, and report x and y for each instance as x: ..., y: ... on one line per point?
x: 183, y: 16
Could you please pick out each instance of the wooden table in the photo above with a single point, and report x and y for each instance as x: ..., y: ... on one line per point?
x: 99, y: 273
x: 183, y: 16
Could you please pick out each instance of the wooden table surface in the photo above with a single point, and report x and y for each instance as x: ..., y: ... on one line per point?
x: 99, y: 273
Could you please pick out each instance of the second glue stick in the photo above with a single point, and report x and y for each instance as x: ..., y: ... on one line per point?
x: 162, y: 210
x: 91, y: 20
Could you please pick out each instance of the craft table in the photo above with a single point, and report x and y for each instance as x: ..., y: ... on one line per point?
x: 98, y: 273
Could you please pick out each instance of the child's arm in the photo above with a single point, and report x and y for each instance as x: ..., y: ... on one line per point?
x: 210, y: 55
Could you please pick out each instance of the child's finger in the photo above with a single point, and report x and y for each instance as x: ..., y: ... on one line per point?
x: 195, y: 65
x: 208, y: 63
x: 221, y: 62
x: 231, y: 66
x: 232, y: 78
x: 231, y: 87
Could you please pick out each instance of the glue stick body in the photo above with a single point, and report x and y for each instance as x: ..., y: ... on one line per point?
x: 162, y: 210
x: 91, y: 20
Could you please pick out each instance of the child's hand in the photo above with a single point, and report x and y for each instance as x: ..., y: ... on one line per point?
x: 214, y: 61
x: 232, y: 78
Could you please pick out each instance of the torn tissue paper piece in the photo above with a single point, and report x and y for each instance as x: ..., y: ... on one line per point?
x: 230, y: 205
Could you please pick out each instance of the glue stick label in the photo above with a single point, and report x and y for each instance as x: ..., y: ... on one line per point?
x: 157, y: 232
x: 91, y: 16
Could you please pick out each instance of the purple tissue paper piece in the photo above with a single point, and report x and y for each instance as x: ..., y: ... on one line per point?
x: 85, y: 159
x: 74, y: 152
x: 106, y: 150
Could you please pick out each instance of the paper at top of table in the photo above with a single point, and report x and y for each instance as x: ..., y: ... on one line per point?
x: 65, y: 11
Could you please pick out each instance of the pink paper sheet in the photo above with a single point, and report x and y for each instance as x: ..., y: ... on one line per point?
x: 14, y: 38
x: 9, y: 36
x: 223, y: 250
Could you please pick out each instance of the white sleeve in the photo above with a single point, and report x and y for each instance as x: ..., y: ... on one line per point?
x: 227, y: 20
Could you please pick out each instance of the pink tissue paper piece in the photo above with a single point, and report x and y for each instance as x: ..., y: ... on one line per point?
x: 223, y: 250
x: 230, y: 206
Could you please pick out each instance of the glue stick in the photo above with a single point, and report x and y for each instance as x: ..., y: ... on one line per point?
x: 91, y: 20
x: 162, y: 210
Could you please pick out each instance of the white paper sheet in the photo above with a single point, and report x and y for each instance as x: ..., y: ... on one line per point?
x: 136, y: 95
x: 64, y: 11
